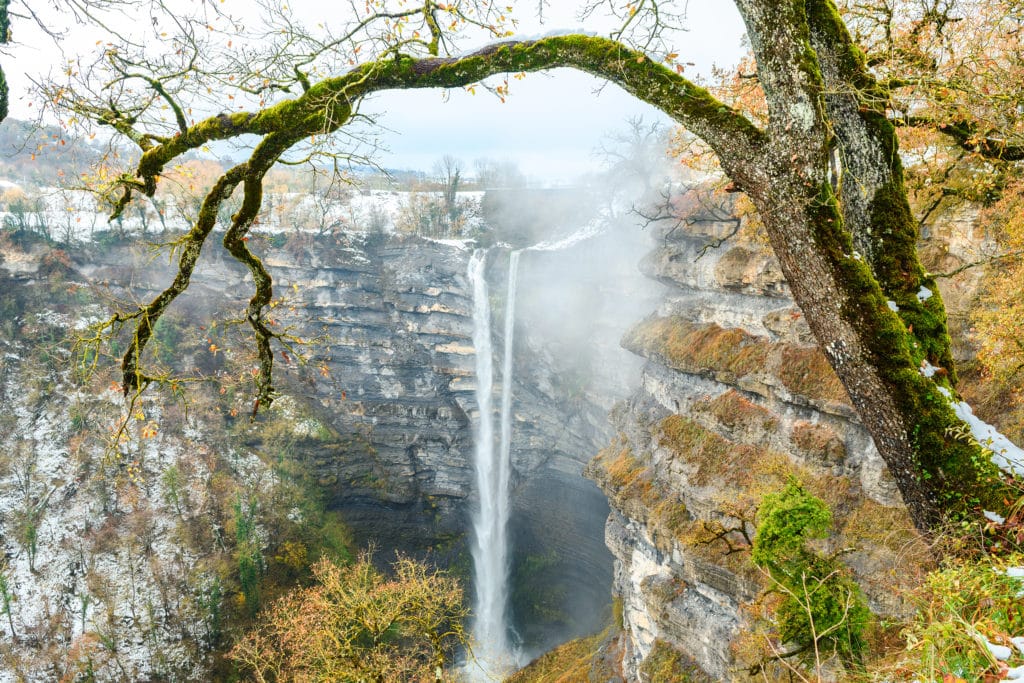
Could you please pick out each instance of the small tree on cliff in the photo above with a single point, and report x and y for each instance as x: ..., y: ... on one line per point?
x: 821, y: 167
x: 356, y: 624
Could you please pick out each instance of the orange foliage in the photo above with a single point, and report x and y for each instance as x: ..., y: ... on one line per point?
x: 999, y: 320
x: 355, y: 624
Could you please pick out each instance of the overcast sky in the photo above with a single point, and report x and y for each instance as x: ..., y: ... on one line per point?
x: 550, y: 126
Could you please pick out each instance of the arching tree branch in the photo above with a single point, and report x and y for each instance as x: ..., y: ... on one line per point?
x: 845, y: 254
x: 328, y: 105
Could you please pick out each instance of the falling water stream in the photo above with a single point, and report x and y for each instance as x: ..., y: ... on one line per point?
x: 494, y: 654
x: 490, y: 549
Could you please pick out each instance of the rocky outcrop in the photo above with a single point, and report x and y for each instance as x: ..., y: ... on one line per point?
x: 376, y: 419
x: 734, y: 400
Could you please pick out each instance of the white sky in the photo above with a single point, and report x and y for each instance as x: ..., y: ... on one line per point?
x: 550, y: 126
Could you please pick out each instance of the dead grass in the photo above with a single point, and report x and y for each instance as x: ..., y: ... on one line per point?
x: 732, y: 353
x: 734, y: 411
x: 804, y: 370
x: 592, y: 658
x: 819, y: 442
x: 695, y: 347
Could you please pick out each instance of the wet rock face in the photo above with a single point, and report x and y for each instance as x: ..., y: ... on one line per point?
x: 396, y: 315
x: 734, y: 399
x: 380, y: 414
x: 390, y: 372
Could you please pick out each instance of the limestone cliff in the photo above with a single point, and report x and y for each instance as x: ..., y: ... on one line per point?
x: 734, y: 399
x: 374, y: 426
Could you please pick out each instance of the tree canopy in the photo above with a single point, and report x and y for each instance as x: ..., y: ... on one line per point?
x: 814, y: 147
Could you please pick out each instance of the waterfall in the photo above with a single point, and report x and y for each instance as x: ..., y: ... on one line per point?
x: 493, y: 652
x: 507, y: 380
x: 490, y: 549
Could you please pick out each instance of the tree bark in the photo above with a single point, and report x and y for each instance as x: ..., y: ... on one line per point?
x: 5, y: 30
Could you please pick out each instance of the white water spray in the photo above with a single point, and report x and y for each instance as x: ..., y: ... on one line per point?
x: 493, y: 652
x: 490, y: 524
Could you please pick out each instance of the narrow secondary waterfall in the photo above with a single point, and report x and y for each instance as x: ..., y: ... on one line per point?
x: 490, y: 549
x: 507, y: 380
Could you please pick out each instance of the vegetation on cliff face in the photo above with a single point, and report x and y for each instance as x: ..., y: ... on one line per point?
x: 179, y: 536
x: 593, y: 658
x: 822, y: 613
x: 969, y: 621
x: 732, y: 355
x: 356, y: 623
x: 665, y: 664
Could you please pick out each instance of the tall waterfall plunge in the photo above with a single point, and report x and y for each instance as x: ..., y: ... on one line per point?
x: 495, y: 655
x: 493, y: 474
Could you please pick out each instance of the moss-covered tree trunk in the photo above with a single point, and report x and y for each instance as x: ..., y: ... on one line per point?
x: 5, y: 29
x: 849, y: 254
x: 842, y: 232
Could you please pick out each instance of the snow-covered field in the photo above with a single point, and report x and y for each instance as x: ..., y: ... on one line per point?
x: 71, y: 216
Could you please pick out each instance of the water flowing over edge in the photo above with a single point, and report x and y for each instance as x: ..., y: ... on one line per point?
x: 493, y: 653
x: 490, y: 523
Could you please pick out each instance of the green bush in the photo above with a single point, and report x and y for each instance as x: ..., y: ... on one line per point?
x: 822, y: 612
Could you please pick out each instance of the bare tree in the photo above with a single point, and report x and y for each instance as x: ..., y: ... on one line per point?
x: 449, y: 172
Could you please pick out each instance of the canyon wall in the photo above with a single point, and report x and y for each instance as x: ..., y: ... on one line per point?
x: 374, y: 424
x: 735, y: 400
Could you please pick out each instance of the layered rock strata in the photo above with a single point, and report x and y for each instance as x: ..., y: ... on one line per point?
x: 377, y: 417
x: 734, y: 400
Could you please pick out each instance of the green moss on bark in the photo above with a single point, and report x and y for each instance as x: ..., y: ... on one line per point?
x: 5, y: 28
x: 956, y: 477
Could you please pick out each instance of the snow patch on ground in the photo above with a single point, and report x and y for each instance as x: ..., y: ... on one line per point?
x: 461, y: 245
x: 994, y: 517
x: 73, y: 216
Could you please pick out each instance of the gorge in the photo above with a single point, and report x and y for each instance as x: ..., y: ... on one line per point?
x: 375, y: 425
x: 381, y: 423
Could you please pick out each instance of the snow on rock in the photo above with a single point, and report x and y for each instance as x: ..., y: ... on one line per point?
x: 461, y: 245
x: 924, y: 294
x: 591, y: 229
x: 1014, y: 674
x: 1007, y: 455
x: 1000, y: 652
